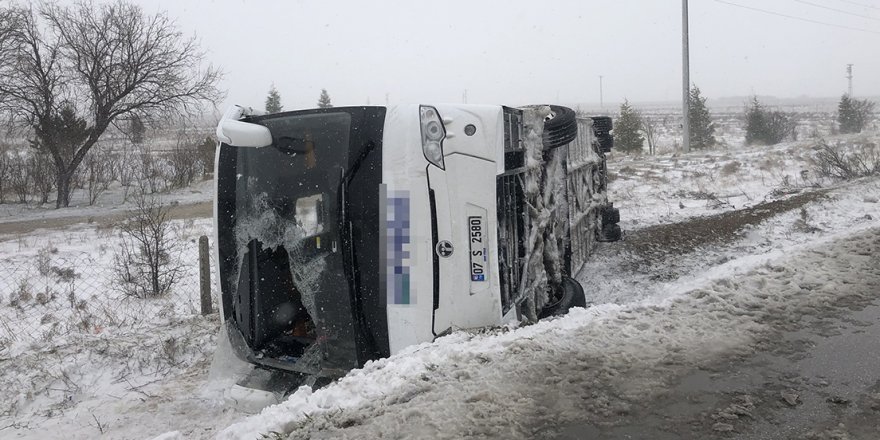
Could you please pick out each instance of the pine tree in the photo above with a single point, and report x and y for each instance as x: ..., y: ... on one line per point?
x: 853, y: 114
x: 67, y: 131
x: 627, y: 135
x: 701, y: 126
x: 137, y: 130
x: 755, y: 122
x: 765, y: 127
x: 273, y: 101
x: 324, y: 99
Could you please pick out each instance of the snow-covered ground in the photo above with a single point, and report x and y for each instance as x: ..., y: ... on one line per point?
x: 60, y: 282
x: 79, y: 357
x: 669, y: 188
x: 805, y: 252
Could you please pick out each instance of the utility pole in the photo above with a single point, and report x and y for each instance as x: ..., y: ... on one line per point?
x: 686, y: 80
x: 601, y: 99
x: 849, y: 77
x: 464, y: 97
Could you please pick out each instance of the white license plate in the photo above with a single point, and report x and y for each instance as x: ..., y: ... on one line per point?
x: 478, y: 248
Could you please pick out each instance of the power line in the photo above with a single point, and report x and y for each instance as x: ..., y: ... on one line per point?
x: 860, y: 4
x: 837, y: 10
x: 797, y: 18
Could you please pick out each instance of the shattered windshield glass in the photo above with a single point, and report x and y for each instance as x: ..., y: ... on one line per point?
x: 287, y: 261
x: 280, y: 192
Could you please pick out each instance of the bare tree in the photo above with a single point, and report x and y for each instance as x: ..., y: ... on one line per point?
x: 10, y: 24
x: 148, y: 262
x: 98, y: 174
x: 42, y: 171
x: 184, y: 161
x: 4, y: 173
x: 650, y: 132
x: 834, y: 162
x: 207, y: 151
x: 148, y: 173
x: 105, y: 62
x: 126, y: 169
x: 19, y: 177
x: 184, y: 166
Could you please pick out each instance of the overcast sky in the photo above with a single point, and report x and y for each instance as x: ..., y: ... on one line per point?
x: 520, y: 52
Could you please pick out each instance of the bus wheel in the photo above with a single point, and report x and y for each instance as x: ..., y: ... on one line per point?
x: 609, y: 233
x: 572, y: 296
x: 610, y: 215
x: 561, y: 127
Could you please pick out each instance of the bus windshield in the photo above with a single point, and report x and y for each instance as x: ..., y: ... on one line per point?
x: 281, y: 256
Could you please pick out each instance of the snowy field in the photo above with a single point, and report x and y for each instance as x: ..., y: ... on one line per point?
x: 670, y: 188
x: 723, y: 250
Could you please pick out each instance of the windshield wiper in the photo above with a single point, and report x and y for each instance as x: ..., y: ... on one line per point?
x: 349, y: 258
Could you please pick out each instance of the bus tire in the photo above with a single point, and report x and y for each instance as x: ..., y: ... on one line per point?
x: 572, y: 296
x: 610, y: 232
x: 602, y: 127
x: 610, y: 216
x: 561, y: 129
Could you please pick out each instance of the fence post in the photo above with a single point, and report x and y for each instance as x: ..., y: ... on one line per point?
x: 205, y: 275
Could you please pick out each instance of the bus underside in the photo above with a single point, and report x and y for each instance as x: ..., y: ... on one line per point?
x: 552, y: 207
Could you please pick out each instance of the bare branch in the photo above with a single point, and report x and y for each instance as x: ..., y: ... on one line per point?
x: 98, y: 63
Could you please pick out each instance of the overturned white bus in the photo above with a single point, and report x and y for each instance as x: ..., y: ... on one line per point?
x: 346, y: 234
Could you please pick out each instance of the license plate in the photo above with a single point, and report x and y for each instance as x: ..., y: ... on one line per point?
x: 478, y: 248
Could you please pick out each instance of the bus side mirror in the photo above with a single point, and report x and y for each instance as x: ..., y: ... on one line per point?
x: 236, y: 133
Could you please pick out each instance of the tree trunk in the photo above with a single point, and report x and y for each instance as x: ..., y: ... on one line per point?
x: 63, y: 199
x: 154, y: 275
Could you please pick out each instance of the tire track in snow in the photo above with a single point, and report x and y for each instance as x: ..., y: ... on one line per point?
x: 661, y: 240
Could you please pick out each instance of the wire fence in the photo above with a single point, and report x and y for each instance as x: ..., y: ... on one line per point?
x: 46, y: 298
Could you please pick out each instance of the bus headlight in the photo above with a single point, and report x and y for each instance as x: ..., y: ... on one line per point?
x: 433, y: 134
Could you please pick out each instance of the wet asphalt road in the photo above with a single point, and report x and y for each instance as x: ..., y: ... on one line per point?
x: 821, y: 381
x: 9, y: 230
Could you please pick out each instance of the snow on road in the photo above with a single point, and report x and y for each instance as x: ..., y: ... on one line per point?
x: 115, y: 202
